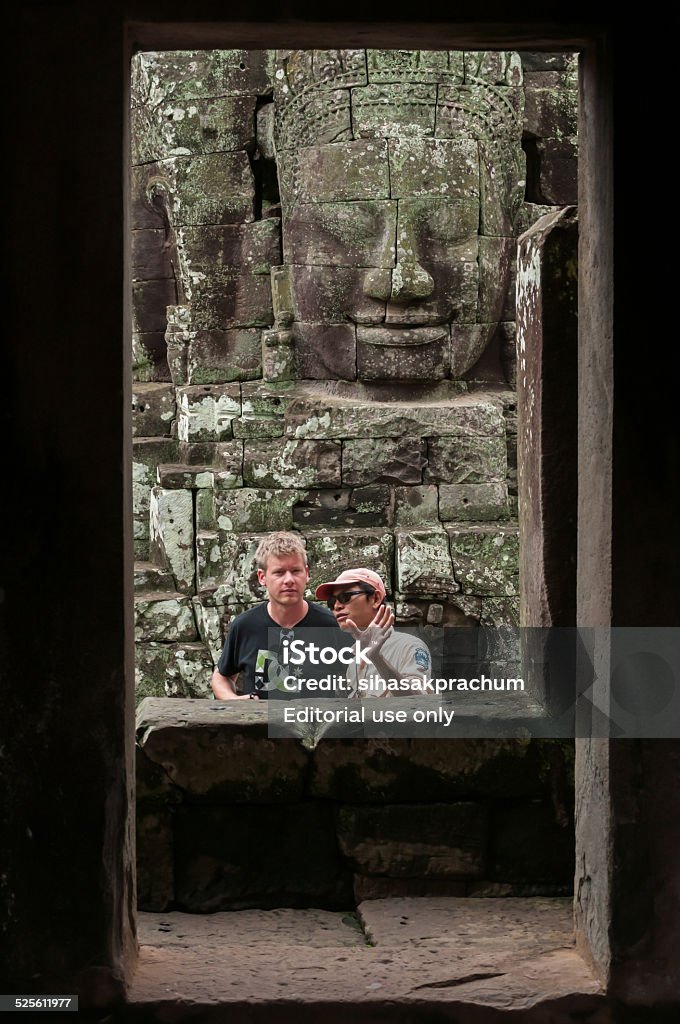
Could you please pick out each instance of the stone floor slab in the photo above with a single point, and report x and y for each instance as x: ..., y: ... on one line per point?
x: 431, y: 960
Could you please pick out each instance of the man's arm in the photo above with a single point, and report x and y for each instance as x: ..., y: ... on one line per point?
x: 224, y: 687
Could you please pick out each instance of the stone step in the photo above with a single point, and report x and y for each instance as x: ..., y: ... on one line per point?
x: 405, y: 960
x: 151, y: 577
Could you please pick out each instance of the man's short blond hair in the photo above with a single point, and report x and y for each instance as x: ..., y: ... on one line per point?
x: 279, y: 543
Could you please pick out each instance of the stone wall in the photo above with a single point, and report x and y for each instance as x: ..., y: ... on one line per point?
x: 323, y: 300
x: 228, y: 818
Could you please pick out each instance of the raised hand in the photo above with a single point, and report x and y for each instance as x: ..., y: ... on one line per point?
x: 376, y: 633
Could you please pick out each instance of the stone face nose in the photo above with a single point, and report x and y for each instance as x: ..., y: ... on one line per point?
x: 410, y: 281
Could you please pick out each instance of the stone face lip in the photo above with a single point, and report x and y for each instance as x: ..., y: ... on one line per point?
x: 406, y: 336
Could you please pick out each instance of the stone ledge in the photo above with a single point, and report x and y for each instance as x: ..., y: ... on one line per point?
x: 450, y: 960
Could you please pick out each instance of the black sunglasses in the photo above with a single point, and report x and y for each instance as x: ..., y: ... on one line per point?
x: 345, y: 596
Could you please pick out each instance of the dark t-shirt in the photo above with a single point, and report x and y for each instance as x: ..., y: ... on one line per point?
x: 255, y: 647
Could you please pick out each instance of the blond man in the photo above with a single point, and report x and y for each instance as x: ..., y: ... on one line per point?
x: 282, y: 570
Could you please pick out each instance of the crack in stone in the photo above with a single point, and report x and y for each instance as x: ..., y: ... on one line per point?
x: 452, y: 982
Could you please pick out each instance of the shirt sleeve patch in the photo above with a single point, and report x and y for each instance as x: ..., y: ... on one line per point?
x: 422, y: 658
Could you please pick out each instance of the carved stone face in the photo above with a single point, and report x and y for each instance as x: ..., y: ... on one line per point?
x: 398, y: 235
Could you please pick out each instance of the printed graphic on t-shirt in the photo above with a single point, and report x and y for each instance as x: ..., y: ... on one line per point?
x: 269, y: 673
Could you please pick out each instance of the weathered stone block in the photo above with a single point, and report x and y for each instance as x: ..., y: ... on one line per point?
x: 225, y: 270
x: 557, y: 172
x: 497, y: 67
x: 325, y: 174
x: 414, y: 65
x: 337, y: 234
x: 331, y: 552
x: 497, y: 258
x: 393, y: 110
x: 421, y: 354
x: 214, y: 189
x: 424, y: 563
x: 149, y: 301
x: 441, y: 168
x: 150, y: 258
x: 208, y: 557
x: 208, y: 248
x: 437, y: 230
x: 486, y: 559
x: 238, y: 856
x: 311, y: 118
x: 340, y: 66
x: 258, y: 426
x: 480, y: 502
x: 198, y: 74
x: 149, y: 576
x: 179, y: 332
x: 500, y: 612
x: 237, y: 583
x: 326, y: 295
x: 205, y: 413
x: 177, y: 476
x: 358, y: 507
x: 468, y: 343
x: 209, y: 620
x: 143, y: 212
x: 145, y: 139
x: 394, y: 460
x: 551, y: 113
x: 269, y: 400
x: 455, y: 289
x: 476, y: 111
x: 416, y: 840
x: 463, y: 416
x: 466, y: 460
x: 153, y: 410
x: 424, y: 612
x: 292, y: 463
x: 535, y: 61
x: 427, y: 770
x: 263, y: 408
x: 149, y: 358
x: 214, y: 756
x: 251, y: 509
x: 416, y: 506
x: 216, y: 357
x: 278, y: 363
x: 507, y: 338
x: 171, y: 534
x: 282, y: 295
x: 172, y: 670
x: 161, y: 616
x: 147, y: 452
x: 502, y: 181
x: 326, y: 351
x: 196, y: 127
x: 225, y: 457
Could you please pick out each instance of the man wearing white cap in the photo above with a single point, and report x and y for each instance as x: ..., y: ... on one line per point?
x: 390, y: 662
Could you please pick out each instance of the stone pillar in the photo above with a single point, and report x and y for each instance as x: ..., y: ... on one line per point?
x: 67, y: 880
x: 546, y: 407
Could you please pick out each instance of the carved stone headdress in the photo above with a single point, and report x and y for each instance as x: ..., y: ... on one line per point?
x: 335, y: 96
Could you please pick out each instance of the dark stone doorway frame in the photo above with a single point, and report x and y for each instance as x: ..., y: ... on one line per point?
x: 594, y: 302
x: 69, y: 719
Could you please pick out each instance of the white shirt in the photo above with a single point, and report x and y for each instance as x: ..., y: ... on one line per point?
x: 411, y: 660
